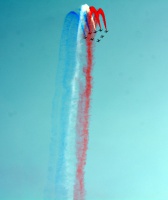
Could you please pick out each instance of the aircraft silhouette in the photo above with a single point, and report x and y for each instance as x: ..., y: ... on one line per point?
x: 100, y: 29
x: 85, y: 37
x: 102, y: 36
x: 106, y: 31
x: 92, y: 39
x: 95, y: 31
x: 98, y: 40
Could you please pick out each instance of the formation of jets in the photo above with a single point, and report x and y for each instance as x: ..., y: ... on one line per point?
x: 102, y: 36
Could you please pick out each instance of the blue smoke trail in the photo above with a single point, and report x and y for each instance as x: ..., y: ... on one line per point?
x: 56, y: 187
x: 85, y: 23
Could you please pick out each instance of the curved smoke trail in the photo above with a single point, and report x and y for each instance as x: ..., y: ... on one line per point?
x: 65, y: 161
x: 82, y: 127
x: 71, y: 104
x: 83, y: 119
x: 60, y: 149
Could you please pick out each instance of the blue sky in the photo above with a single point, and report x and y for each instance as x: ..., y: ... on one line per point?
x: 127, y: 156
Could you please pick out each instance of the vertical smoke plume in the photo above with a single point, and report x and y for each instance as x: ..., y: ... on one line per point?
x: 71, y: 106
x: 62, y: 146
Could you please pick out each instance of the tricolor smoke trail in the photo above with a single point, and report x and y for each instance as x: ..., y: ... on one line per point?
x: 71, y: 105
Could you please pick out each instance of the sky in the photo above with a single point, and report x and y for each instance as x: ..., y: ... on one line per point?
x: 127, y: 154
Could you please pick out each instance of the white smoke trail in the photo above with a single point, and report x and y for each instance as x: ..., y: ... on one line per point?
x: 70, y: 150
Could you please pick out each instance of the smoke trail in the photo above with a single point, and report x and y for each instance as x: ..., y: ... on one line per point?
x: 84, y: 101
x: 71, y: 105
x: 61, y: 147
x: 83, y: 119
x: 82, y: 126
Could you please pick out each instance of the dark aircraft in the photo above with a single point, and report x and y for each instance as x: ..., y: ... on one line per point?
x: 95, y: 31
x: 106, y: 31
x: 92, y: 39
x: 102, y: 36
x: 100, y: 29
x: 85, y: 37
x: 98, y: 40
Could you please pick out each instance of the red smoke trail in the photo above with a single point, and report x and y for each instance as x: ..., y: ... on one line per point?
x: 82, y: 126
x: 84, y: 105
x: 97, y: 14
